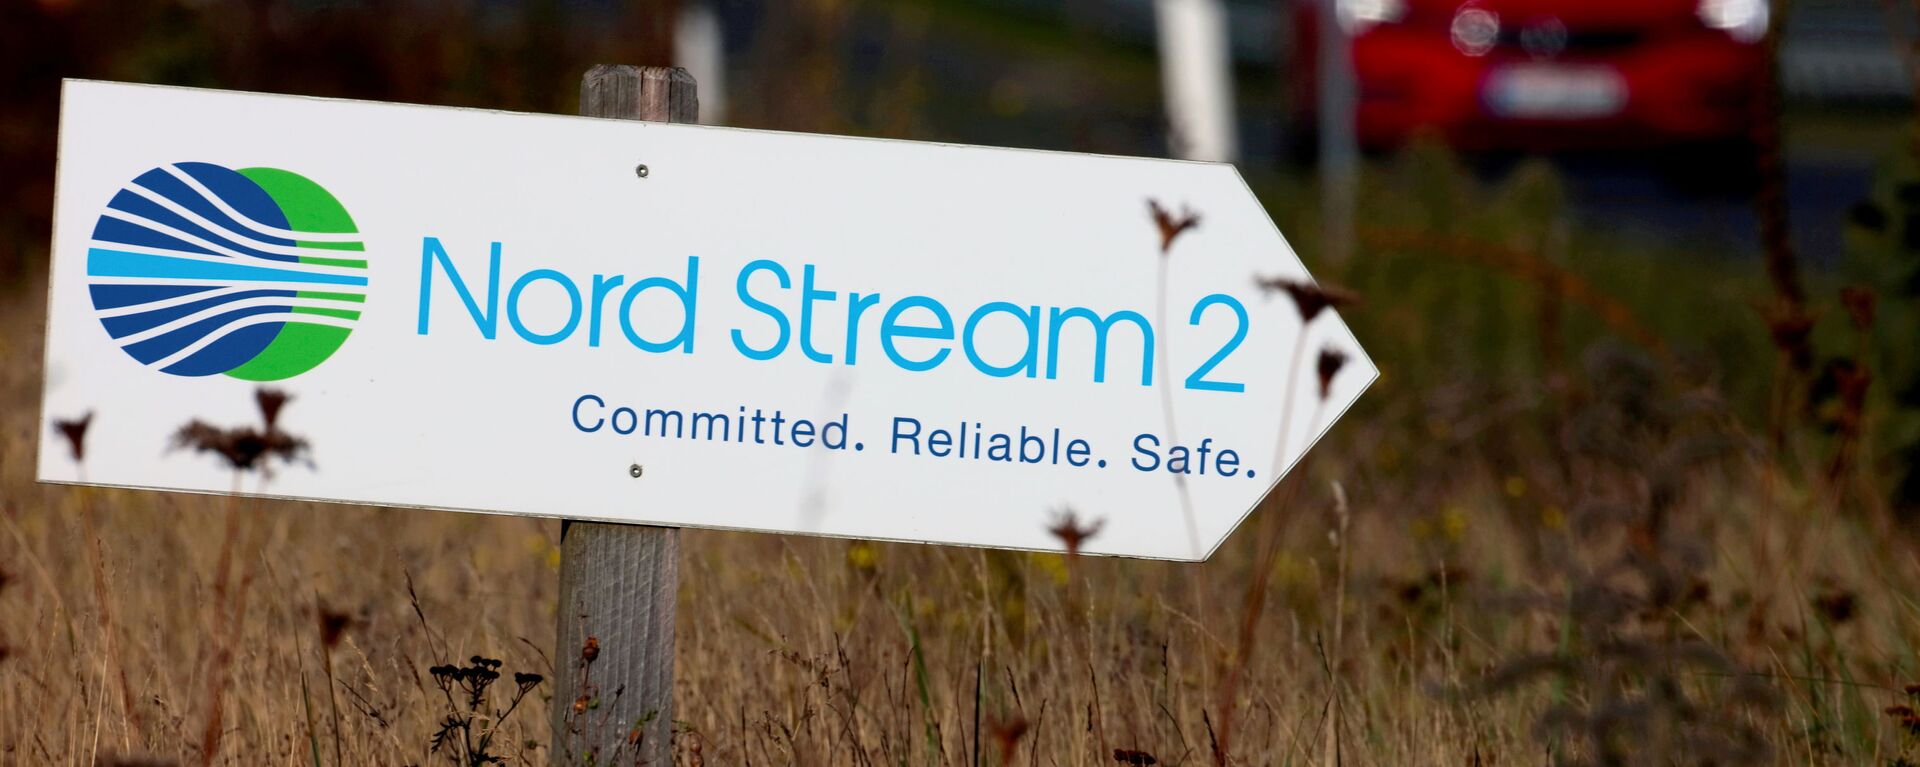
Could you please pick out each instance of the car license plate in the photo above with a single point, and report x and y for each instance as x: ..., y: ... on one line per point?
x: 1555, y: 92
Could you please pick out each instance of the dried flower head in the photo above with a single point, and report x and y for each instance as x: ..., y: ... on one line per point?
x: 270, y: 402
x: 1859, y: 301
x: 1072, y: 532
x: 243, y: 448
x: 1791, y: 330
x: 1851, y: 380
x: 590, y: 650
x: 1007, y: 734
x: 1869, y: 216
x: 113, y: 760
x: 1309, y: 298
x: 1836, y: 606
x: 1131, y: 757
x: 246, y: 448
x: 1331, y: 360
x: 75, y: 431
x: 1905, y: 717
x: 466, y: 730
x: 333, y: 625
x: 1170, y: 225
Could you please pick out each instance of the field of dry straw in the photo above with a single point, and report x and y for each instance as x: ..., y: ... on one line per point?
x: 1604, y: 563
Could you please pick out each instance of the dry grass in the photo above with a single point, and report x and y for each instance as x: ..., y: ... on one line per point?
x: 1642, y: 590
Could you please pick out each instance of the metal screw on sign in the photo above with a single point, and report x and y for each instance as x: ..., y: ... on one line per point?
x: 635, y: 471
x: 641, y: 170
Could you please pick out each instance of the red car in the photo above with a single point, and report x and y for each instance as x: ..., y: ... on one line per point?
x: 1545, y: 75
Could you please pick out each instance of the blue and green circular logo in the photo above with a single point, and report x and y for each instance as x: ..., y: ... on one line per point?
x: 197, y: 270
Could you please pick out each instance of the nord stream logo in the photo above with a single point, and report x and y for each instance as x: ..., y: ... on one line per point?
x: 197, y: 270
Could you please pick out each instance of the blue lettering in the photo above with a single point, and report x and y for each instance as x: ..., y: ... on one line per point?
x: 576, y: 413
x: 912, y: 437
x: 779, y: 318
x: 633, y: 420
x: 601, y: 287
x: 573, y: 307
x: 1028, y: 362
x: 1057, y: 318
x: 807, y: 296
x: 687, y: 294
x: 489, y: 321
x: 856, y: 305
x: 1146, y: 450
x: 890, y: 327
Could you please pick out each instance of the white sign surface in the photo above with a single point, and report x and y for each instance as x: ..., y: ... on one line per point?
x: 498, y: 312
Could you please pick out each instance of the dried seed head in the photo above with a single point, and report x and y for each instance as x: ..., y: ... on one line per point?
x: 114, y: 760
x: 1007, y: 734
x: 76, y: 433
x: 1836, y: 606
x: 1331, y: 360
x: 1869, y: 216
x: 590, y: 650
x: 1852, y: 379
x: 333, y: 625
x: 1791, y: 329
x: 1859, y: 301
x: 243, y: 448
x: 1309, y: 298
x: 270, y: 402
x: 1072, y: 532
x: 1170, y: 225
x: 1130, y: 757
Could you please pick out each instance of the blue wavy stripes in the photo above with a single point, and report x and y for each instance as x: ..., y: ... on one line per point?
x: 154, y: 349
x: 247, y: 198
x: 102, y: 262
x: 239, y: 192
x: 116, y: 296
x: 129, y: 202
x: 129, y: 324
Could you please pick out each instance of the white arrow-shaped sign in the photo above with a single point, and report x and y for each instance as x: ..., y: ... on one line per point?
x: 681, y: 325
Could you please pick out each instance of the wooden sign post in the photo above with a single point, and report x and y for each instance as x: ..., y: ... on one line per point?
x: 614, y: 659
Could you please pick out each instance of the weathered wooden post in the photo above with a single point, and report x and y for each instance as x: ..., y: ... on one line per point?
x: 618, y: 582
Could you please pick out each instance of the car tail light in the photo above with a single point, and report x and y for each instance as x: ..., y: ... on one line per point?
x: 1743, y: 20
x: 1357, y: 15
